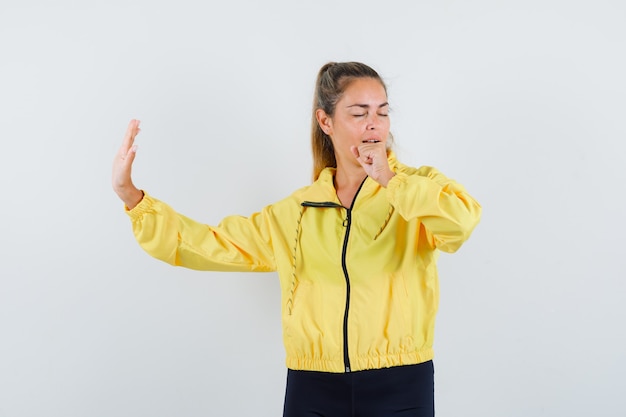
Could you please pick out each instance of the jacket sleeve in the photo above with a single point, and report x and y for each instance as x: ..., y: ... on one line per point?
x: 236, y: 244
x: 449, y: 214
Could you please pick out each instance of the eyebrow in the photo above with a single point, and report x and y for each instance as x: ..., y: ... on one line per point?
x: 366, y: 106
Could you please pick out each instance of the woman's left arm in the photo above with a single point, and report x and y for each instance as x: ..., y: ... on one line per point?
x: 444, y: 207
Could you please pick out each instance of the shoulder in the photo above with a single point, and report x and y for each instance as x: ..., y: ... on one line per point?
x: 423, y: 171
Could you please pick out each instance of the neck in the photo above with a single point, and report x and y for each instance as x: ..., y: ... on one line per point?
x: 349, y: 176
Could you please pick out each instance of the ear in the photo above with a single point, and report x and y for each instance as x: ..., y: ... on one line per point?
x: 324, y: 121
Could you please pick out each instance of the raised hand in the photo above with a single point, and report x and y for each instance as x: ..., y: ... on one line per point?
x: 122, y: 167
x: 372, y: 155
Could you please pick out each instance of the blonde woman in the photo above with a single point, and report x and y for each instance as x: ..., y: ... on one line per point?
x: 355, y: 253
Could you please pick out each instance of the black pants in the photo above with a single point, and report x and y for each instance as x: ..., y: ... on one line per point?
x: 406, y: 391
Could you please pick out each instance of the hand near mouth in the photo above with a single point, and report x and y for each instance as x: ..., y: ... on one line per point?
x: 372, y: 155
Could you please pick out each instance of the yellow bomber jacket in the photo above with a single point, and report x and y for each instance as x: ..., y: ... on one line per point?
x: 359, y: 285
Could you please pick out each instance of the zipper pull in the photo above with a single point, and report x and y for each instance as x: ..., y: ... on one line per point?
x: 345, y: 222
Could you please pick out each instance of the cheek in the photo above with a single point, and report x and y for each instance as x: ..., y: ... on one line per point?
x: 386, y: 127
x: 350, y: 128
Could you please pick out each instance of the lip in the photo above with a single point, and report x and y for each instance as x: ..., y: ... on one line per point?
x: 370, y: 141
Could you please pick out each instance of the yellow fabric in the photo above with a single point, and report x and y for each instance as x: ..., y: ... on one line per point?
x: 390, y: 258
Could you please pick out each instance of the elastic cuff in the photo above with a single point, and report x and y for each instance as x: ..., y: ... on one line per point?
x: 142, y: 207
x: 395, y: 183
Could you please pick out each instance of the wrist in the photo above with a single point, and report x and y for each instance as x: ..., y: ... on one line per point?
x: 130, y: 196
x: 386, y: 177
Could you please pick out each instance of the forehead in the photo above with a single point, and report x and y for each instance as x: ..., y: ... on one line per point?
x: 365, y: 91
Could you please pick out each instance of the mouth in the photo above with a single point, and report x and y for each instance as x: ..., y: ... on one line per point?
x: 371, y: 141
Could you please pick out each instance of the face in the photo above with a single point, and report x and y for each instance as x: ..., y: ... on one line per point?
x: 362, y: 114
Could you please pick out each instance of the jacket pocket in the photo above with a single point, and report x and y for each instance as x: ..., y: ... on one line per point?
x: 385, y: 223
x: 298, y: 296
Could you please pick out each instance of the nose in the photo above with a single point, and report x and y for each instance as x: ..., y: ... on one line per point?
x: 373, y: 122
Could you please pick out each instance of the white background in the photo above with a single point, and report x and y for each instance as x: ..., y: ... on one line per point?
x: 523, y: 102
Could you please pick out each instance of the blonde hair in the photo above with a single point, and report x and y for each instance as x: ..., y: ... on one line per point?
x: 332, y: 80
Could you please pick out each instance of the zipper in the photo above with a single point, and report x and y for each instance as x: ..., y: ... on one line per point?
x: 346, y: 223
x: 346, y: 356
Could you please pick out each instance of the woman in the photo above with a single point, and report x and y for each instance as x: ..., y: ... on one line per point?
x: 355, y: 252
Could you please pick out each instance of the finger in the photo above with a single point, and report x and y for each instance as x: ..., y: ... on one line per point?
x: 122, y: 167
x: 127, y: 162
x: 366, y: 154
x: 129, y: 138
x: 355, y: 151
x: 130, y: 155
x: 124, y: 161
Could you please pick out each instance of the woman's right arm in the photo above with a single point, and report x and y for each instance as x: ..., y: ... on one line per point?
x: 237, y: 244
x: 122, y: 167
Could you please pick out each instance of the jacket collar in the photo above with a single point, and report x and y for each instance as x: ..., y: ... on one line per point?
x: 323, y: 189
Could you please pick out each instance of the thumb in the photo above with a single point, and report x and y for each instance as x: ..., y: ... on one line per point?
x: 130, y: 155
x: 355, y: 151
